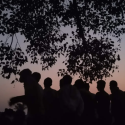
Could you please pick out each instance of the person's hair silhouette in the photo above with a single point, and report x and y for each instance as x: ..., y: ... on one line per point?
x: 67, y: 79
x: 24, y: 74
x: 79, y: 84
x: 48, y: 82
x: 101, y: 85
x: 113, y: 85
x: 37, y: 76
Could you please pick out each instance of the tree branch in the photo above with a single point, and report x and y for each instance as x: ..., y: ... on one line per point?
x: 81, y: 33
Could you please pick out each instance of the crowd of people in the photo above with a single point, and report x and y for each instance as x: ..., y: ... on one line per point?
x: 72, y: 104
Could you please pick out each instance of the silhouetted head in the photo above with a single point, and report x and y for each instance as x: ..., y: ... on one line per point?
x: 101, y: 85
x: 113, y: 85
x: 86, y: 86
x: 47, y: 82
x: 24, y: 74
x: 36, y: 76
x: 67, y: 79
x: 79, y: 84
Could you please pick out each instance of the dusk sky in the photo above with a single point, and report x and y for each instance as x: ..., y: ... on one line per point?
x: 8, y: 90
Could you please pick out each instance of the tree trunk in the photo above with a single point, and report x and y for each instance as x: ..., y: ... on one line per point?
x: 78, y: 21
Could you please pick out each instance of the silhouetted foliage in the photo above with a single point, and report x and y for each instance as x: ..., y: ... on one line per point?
x: 93, y: 62
x: 9, y: 60
x: 40, y: 21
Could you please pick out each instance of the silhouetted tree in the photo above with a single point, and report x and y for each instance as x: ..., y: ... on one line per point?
x: 41, y: 21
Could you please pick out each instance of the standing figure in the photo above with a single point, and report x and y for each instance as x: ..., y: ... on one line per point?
x: 50, y: 102
x: 117, y: 103
x: 103, y: 103
x: 88, y: 116
x: 71, y: 102
x: 33, y: 97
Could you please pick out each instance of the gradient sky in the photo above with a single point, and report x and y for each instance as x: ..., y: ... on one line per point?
x: 8, y: 90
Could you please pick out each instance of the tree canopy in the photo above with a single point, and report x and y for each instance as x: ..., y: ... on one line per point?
x: 40, y: 21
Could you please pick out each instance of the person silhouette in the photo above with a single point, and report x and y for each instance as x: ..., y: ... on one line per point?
x: 23, y: 77
x: 117, y: 103
x: 49, y: 93
x: 88, y: 116
x: 50, y: 102
x: 103, y: 103
x: 33, y: 97
x: 71, y: 101
x: 79, y: 84
x: 36, y: 76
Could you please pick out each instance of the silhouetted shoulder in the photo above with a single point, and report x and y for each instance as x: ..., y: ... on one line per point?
x: 39, y: 89
x: 102, y: 96
x: 97, y: 95
x: 102, y: 93
x: 50, y: 94
x: 106, y: 94
x: 53, y: 90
